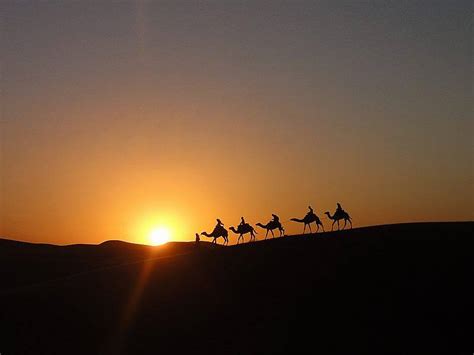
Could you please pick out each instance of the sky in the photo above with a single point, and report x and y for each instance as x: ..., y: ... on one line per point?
x: 121, y: 117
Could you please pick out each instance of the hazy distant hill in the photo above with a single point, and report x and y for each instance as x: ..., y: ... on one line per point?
x: 385, y: 289
x: 46, y: 262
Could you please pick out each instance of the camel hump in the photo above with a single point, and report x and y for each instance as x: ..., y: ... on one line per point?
x: 221, y: 231
x: 343, y: 214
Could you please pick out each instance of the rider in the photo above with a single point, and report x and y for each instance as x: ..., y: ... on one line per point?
x: 275, y: 218
x: 310, y: 212
x: 219, y: 223
x: 242, y: 221
x: 338, y: 209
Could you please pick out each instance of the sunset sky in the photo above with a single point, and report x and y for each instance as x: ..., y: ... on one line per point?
x: 119, y: 118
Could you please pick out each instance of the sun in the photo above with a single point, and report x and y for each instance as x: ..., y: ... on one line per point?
x: 160, y: 236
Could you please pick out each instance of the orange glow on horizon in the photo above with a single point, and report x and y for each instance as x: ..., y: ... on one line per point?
x: 160, y: 236
x: 155, y: 227
x: 112, y: 137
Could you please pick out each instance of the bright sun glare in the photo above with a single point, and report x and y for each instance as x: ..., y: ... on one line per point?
x: 160, y: 236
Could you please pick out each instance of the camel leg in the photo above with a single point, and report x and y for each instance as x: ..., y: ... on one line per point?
x: 332, y: 227
x: 317, y: 230
x: 345, y: 223
x: 304, y: 229
x: 273, y: 234
x: 310, y: 231
x: 322, y: 226
x: 350, y: 223
x: 266, y: 234
x: 338, y: 226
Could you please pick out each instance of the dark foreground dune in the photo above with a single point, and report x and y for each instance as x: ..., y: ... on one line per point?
x: 385, y: 289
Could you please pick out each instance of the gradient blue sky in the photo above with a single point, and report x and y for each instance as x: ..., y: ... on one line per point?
x: 119, y: 117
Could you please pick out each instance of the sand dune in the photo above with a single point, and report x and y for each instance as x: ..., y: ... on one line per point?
x: 383, y: 289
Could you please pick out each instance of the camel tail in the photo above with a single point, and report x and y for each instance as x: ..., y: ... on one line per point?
x: 297, y: 220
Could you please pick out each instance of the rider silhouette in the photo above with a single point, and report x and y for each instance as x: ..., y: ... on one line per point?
x: 310, y: 210
x: 275, y: 218
x: 219, y: 223
x: 242, y: 221
x: 338, y: 209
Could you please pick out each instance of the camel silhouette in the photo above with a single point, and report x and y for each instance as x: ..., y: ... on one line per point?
x: 219, y: 231
x: 243, y: 229
x: 270, y: 226
x: 308, y: 219
x: 337, y: 217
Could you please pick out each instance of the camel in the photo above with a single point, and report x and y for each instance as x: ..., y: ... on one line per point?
x: 308, y: 219
x: 218, y: 232
x: 337, y: 217
x: 243, y: 229
x: 270, y: 226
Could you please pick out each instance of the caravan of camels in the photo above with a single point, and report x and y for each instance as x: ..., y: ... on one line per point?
x: 245, y: 228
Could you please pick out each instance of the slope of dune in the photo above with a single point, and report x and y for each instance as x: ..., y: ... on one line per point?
x: 384, y: 289
x: 40, y: 263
